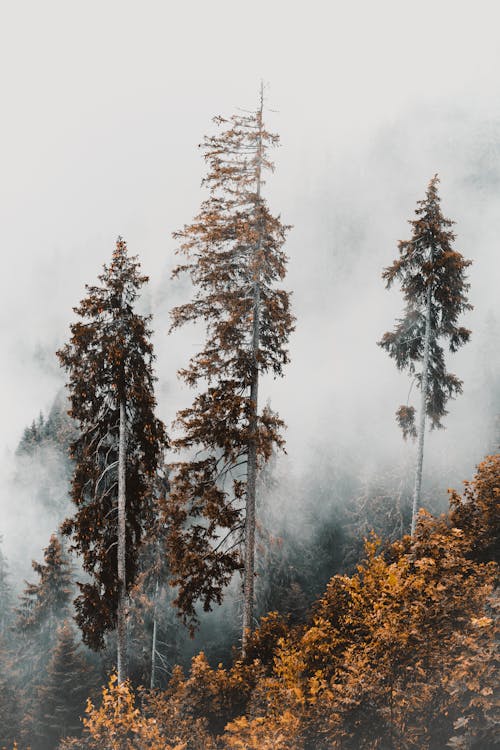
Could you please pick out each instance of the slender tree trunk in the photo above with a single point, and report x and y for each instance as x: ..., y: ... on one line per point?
x: 153, y: 645
x: 423, y: 405
x: 122, y: 581
x: 249, y: 569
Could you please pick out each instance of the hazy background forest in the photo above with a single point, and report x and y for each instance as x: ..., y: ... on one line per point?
x: 103, y: 106
x: 102, y: 112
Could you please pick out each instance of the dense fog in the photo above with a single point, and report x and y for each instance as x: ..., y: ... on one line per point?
x: 103, y: 112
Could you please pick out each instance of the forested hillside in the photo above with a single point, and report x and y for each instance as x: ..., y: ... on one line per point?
x: 403, y: 652
x: 372, y: 625
x: 250, y: 459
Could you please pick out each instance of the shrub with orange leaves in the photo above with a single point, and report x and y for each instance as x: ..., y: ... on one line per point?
x: 477, y: 512
x: 215, y: 696
x: 117, y: 724
x: 262, y: 642
x: 263, y: 733
x: 402, y: 655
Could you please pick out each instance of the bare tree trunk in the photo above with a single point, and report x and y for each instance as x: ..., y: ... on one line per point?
x: 249, y: 569
x: 153, y: 645
x: 122, y: 582
x: 423, y: 406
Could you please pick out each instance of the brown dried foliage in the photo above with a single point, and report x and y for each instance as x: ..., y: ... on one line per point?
x: 232, y: 245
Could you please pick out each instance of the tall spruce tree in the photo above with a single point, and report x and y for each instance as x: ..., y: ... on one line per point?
x: 43, y: 606
x: 234, y: 257
x: 119, y: 448
x: 62, y: 694
x: 433, y: 283
x: 45, y: 603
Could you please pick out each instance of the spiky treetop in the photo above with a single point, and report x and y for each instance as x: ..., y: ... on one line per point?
x: 109, y: 361
x: 233, y: 248
x: 62, y: 695
x: 428, y: 260
x: 222, y: 261
x: 47, y: 600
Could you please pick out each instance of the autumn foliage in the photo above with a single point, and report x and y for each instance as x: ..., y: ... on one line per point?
x: 109, y: 363
x: 233, y: 254
x: 118, y: 725
x: 403, y: 654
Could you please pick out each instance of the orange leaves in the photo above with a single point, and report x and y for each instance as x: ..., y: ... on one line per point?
x: 402, y: 654
x: 263, y: 733
x: 118, y: 725
x: 477, y: 514
x: 234, y: 255
x: 482, y: 622
x: 405, y: 417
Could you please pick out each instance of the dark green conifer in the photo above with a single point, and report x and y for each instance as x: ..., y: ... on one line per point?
x: 434, y: 287
x: 61, y: 697
x: 6, y: 595
x: 45, y: 603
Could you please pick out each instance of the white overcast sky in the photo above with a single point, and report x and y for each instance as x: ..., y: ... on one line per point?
x: 103, y: 104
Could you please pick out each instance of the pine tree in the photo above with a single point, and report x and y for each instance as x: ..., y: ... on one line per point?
x: 234, y: 257
x: 45, y: 603
x: 62, y: 695
x: 120, y: 446
x: 6, y: 596
x: 9, y: 726
x: 154, y: 627
x: 433, y: 283
x: 10, y: 697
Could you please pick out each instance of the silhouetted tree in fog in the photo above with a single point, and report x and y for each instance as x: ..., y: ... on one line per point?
x: 433, y: 283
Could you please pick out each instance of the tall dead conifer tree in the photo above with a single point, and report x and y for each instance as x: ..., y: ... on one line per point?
x: 120, y: 446
x: 433, y: 283
x: 234, y: 257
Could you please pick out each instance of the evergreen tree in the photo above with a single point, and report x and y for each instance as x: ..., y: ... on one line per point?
x: 154, y: 627
x: 10, y: 697
x: 119, y: 448
x: 57, y: 430
x: 43, y: 606
x: 62, y: 695
x: 234, y: 257
x: 6, y: 596
x: 433, y: 283
x: 45, y: 603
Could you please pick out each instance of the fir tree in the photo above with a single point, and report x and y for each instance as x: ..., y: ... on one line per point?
x: 62, y: 695
x: 45, y: 603
x: 119, y: 448
x: 6, y: 596
x: 234, y: 257
x: 10, y: 697
x: 154, y: 627
x: 433, y: 283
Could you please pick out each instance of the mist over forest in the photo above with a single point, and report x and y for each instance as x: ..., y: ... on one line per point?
x: 104, y: 114
x: 339, y: 393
